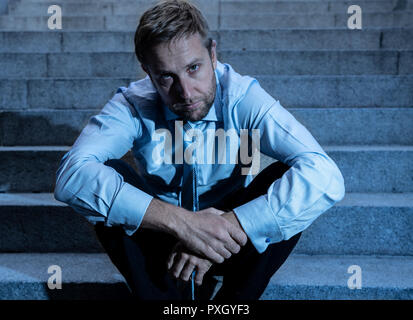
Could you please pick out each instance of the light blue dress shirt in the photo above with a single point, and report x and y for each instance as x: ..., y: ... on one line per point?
x: 129, y: 121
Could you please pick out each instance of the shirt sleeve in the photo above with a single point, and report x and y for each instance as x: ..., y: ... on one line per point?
x: 93, y: 189
x: 311, y: 186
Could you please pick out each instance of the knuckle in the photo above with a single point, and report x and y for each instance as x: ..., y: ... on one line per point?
x: 222, y: 233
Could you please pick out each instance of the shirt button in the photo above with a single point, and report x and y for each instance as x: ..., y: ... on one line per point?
x: 267, y: 240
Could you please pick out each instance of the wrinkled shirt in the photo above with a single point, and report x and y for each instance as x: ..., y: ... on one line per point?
x: 133, y: 120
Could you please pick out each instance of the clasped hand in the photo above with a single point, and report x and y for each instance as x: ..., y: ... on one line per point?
x: 210, y: 236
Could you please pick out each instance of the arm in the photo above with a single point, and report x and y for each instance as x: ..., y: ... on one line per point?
x: 94, y: 189
x: 312, y: 185
x: 99, y: 192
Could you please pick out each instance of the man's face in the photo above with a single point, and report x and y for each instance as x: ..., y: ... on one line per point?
x: 182, y: 71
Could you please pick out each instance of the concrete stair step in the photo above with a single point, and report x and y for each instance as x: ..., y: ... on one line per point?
x: 368, y: 224
x: 24, y: 8
x: 322, y: 62
x: 24, y: 276
x: 36, y: 222
x: 311, y: 6
x: 240, y: 7
x: 398, y: 19
x: 105, y: 64
x: 350, y: 126
x: 40, y: 166
x: 267, y: 20
x: 39, y: 23
x: 305, y: 277
x: 293, y: 91
x: 123, y: 22
x: 340, y: 91
x: 365, y: 168
x: 315, y: 39
x: 267, y: 62
x: 363, y: 223
x: 25, y: 93
x: 371, y: 169
x: 42, y: 127
x: 358, y: 126
x: 282, y: 39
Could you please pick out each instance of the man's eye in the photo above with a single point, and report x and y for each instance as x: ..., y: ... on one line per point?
x: 165, y: 77
x: 194, y: 68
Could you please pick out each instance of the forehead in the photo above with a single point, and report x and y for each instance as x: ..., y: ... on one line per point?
x: 177, y: 53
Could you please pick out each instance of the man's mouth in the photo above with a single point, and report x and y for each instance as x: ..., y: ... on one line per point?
x: 189, y: 107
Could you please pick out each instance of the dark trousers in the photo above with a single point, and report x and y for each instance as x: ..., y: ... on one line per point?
x: 142, y: 257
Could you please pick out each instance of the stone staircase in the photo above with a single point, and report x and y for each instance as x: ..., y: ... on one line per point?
x: 353, y: 89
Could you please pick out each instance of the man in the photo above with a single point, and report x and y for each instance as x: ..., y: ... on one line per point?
x: 243, y: 229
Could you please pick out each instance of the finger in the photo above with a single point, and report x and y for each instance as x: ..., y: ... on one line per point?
x: 177, y: 267
x: 211, y: 254
x: 214, y: 256
x: 187, y: 270
x: 233, y: 247
x: 223, y: 251
x: 202, y: 269
x: 171, y: 259
x: 199, y: 277
x: 239, y: 236
x: 220, y: 247
x: 229, y: 244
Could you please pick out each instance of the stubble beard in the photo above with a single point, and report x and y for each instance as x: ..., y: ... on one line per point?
x: 207, y: 102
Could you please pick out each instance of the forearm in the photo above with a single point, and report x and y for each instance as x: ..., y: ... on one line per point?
x: 165, y: 217
x: 293, y: 202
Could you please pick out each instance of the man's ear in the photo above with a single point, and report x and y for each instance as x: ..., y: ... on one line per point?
x: 214, y: 53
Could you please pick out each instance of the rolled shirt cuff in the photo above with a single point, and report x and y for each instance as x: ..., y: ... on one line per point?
x: 128, y: 208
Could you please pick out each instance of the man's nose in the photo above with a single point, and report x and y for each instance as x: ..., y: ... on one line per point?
x: 183, y: 89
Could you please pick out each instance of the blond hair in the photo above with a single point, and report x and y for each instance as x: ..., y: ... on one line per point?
x: 169, y: 20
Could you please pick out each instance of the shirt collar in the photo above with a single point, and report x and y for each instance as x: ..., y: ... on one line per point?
x: 214, y: 113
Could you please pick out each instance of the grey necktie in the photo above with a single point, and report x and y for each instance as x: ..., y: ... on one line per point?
x: 189, y: 195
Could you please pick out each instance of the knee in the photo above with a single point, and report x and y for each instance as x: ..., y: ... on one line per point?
x: 267, y: 176
x: 113, y: 163
x: 121, y: 167
x: 276, y: 169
